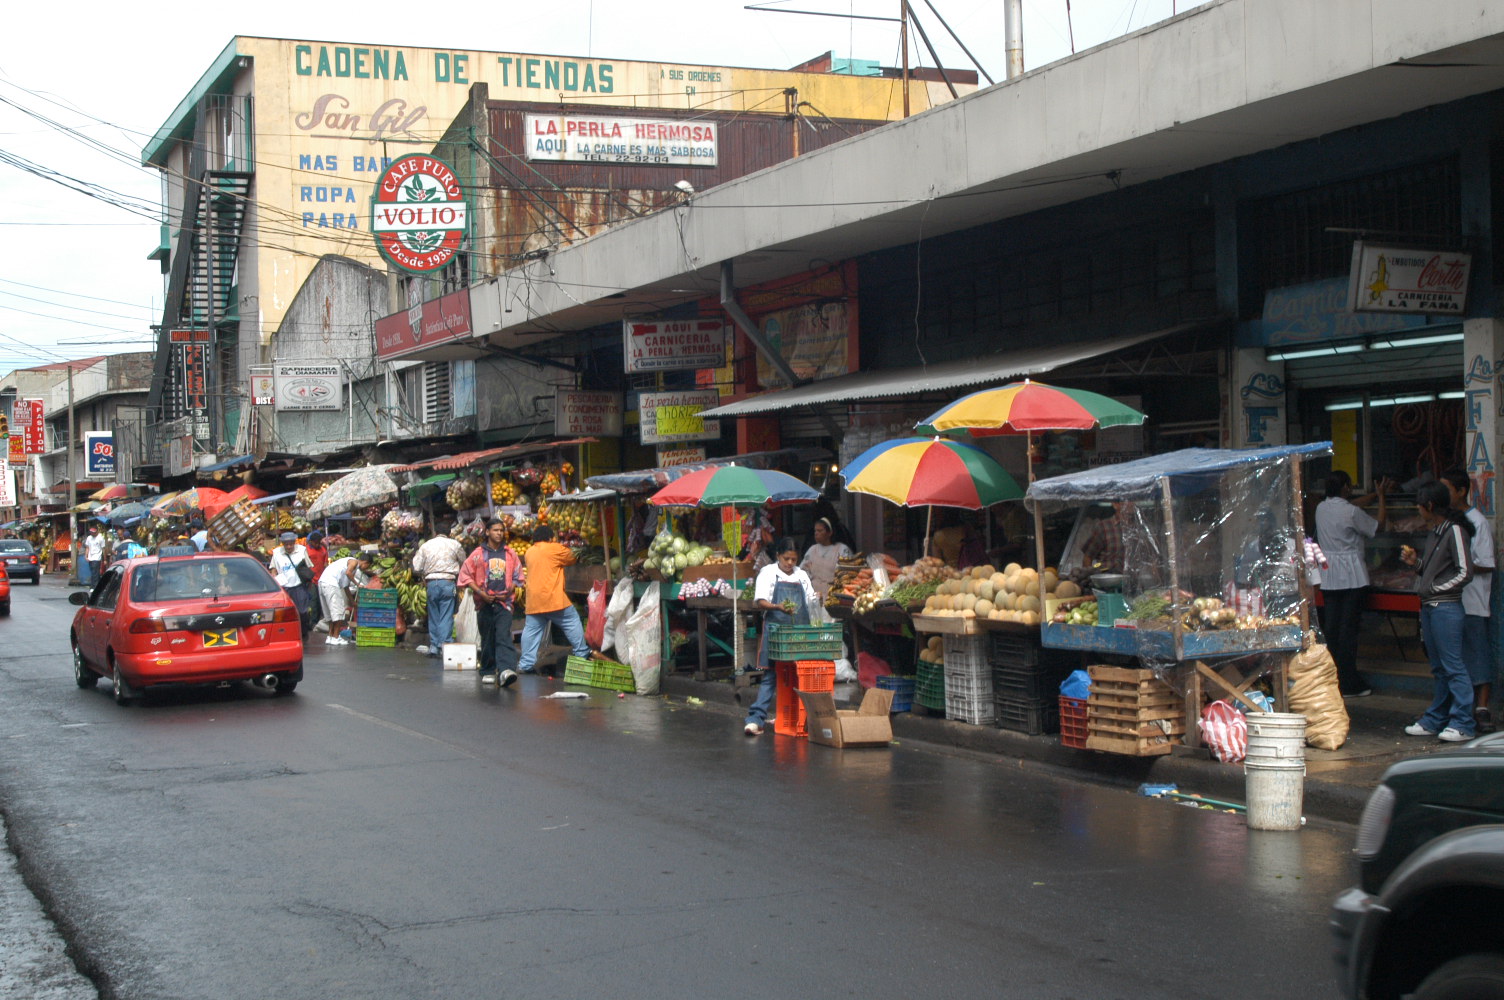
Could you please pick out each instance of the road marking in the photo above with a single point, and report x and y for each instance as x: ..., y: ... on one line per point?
x: 406, y: 731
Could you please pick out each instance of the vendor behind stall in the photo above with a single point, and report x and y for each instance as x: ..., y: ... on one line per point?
x: 823, y: 558
x: 784, y: 594
x: 1343, y: 531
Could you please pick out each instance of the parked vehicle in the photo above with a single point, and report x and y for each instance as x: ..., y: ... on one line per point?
x: 20, y: 559
x: 4, y: 592
x: 199, y: 618
x: 1427, y: 917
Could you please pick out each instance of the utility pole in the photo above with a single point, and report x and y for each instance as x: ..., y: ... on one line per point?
x: 903, y: 43
x: 73, y: 580
x: 1013, y: 45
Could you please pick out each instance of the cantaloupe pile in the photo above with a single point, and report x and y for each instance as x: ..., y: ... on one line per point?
x: 1017, y: 594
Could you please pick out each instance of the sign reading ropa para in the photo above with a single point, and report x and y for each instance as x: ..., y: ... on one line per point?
x: 674, y: 345
x: 418, y: 213
x: 596, y: 139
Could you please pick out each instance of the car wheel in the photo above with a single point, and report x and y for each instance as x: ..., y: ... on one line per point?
x: 124, y: 693
x: 286, y: 687
x: 1471, y: 977
x: 36, y: 581
x: 82, y: 675
x: 4, y: 609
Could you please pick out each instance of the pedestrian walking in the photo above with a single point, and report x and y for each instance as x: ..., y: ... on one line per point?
x: 127, y: 547
x: 1477, y: 648
x: 546, y: 603
x: 93, y: 554
x: 1343, y: 530
x: 492, y: 573
x: 293, y: 571
x: 784, y: 593
x: 437, y: 562
x: 318, y: 554
x: 1441, y: 573
x: 337, y: 588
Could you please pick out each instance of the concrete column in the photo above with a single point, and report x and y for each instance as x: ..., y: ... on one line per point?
x: 1483, y: 422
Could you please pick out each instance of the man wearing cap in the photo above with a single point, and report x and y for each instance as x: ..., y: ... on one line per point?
x: 437, y: 562
x: 285, y: 562
x: 337, y: 585
x: 93, y: 553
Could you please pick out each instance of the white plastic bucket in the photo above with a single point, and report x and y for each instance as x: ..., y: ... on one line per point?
x: 459, y: 656
x: 1275, y: 770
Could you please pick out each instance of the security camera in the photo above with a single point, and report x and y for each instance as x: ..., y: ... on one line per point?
x: 685, y: 186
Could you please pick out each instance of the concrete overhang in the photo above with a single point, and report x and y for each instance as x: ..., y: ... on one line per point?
x: 1224, y: 80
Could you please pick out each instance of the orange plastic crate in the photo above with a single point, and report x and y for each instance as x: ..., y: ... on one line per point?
x: 794, y: 676
x: 1073, y: 729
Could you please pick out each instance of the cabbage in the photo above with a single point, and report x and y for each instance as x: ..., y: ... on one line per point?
x: 678, y: 545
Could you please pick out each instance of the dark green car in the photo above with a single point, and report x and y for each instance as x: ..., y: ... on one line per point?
x: 1427, y: 918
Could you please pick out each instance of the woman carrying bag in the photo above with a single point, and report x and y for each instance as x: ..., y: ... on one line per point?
x: 785, y: 594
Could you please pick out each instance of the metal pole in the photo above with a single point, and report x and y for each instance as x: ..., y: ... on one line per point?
x: 1013, y: 46
x: 903, y: 43
x: 73, y: 579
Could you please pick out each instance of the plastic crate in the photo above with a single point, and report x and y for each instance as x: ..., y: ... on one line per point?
x: 1073, y: 728
x: 1013, y: 650
x: 578, y: 670
x: 966, y: 654
x: 376, y: 617
x: 902, y: 688
x: 975, y: 711
x: 1024, y: 716
x: 976, y: 688
x: 815, y: 675
x: 793, y: 677
x: 929, y: 686
x: 370, y: 597
x: 375, y: 636
x: 804, y: 642
x: 1035, y: 683
x: 612, y: 676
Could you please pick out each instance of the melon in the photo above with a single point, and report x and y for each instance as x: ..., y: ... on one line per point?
x: 1067, y: 589
x: 984, y: 607
x: 1012, y: 568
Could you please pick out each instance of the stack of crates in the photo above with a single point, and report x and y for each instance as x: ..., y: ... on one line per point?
x: 376, y: 618
x: 795, y: 676
x: 1132, y: 712
x: 1026, y: 682
x: 599, y: 673
x: 929, y: 685
x: 902, y: 688
x: 968, y: 680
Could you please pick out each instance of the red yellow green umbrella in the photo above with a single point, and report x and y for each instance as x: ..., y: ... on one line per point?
x: 931, y: 472
x: 1027, y: 406
x: 734, y: 486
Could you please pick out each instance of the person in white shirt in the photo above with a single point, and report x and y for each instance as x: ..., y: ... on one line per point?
x: 438, y: 562
x: 1477, y: 650
x: 1343, y: 531
x: 785, y: 595
x: 93, y: 553
x: 336, y: 587
x: 822, y: 559
x: 285, y: 562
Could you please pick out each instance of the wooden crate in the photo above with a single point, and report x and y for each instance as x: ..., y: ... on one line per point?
x: 1132, y: 712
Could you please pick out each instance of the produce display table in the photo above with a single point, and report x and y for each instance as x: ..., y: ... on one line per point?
x: 746, y: 612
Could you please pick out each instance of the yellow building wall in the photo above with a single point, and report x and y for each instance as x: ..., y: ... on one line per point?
x: 329, y: 116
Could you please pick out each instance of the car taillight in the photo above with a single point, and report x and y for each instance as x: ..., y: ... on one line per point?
x: 33, y: 560
x: 285, y: 615
x: 147, y: 625
x: 1374, y: 826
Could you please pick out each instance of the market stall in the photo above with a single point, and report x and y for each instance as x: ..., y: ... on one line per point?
x: 1198, y: 572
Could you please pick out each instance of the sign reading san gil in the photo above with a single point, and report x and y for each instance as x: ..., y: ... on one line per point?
x: 418, y: 213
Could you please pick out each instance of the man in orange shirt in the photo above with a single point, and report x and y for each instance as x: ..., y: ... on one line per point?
x: 546, y: 602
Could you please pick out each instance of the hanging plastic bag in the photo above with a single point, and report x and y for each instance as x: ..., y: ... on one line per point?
x: 617, y: 612
x: 1315, y: 694
x: 643, y: 648
x: 595, y: 622
x: 1225, y: 731
x: 466, y: 626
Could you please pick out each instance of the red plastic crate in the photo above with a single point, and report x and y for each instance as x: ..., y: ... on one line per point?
x: 1073, y: 722
x: 794, y: 676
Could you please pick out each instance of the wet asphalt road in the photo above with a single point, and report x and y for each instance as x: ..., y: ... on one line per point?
x: 394, y: 831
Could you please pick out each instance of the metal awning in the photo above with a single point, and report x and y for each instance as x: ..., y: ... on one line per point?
x: 471, y: 459
x: 934, y: 378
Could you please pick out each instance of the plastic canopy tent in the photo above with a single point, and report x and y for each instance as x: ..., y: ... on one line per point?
x: 1189, y: 470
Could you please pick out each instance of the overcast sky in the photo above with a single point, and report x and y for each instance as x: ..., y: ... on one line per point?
x: 74, y: 278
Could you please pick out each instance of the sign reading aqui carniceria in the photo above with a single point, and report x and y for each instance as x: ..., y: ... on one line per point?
x: 1408, y: 280
x: 419, y: 214
x: 673, y: 345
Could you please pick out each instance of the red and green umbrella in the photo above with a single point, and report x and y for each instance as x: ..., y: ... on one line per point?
x: 931, y: 472
x: 734, y: 486
x: 1028, y: 406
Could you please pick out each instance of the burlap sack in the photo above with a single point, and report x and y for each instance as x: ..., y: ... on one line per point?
x: 1314, y: 693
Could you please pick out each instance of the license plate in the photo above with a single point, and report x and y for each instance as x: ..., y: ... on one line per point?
x: 222, y: 637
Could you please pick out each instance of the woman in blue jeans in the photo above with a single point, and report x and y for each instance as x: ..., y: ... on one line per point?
x: 1441, y: 572
x: 785, y: 594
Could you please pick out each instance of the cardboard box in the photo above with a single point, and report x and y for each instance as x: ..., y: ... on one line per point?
x: 867, y: 726
x: 459, y: 656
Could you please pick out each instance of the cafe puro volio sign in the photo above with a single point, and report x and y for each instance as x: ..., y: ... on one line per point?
x: 418, y: 213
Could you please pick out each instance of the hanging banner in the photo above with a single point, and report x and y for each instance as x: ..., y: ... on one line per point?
x: 426, y: 324
x: 195, y: 376
x: 178, y: 456
x: 26, y: 420
x: 673, y: 345
x: 99, y: 455
x: 667, y: 417
x: 578, y: 413
x: 7, y: 485
x: 1395, y: 279
x: 308, y: 387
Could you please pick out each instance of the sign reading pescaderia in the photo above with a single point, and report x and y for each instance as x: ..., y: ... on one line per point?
x: 674, y: 345
x: 1397, y: 279
x: 595, y: 139
x: 418, y: 213
x: 579, y: 413
x: 668, y: 417
x: 307, y: 387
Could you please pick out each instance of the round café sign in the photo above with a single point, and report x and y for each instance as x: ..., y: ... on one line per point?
x: 418, y: 214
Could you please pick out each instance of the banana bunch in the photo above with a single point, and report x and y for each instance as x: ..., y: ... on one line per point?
x: 503, y: 491
x: 284, y: 520
x: 412, y: 596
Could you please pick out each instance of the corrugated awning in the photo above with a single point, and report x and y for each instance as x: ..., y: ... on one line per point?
x: 470, y: 459
x: 933, y: 378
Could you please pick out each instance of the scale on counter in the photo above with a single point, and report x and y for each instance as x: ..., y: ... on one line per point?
x: 1111, y: 604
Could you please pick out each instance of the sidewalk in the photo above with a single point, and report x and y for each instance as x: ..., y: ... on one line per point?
x: 1337, y: 781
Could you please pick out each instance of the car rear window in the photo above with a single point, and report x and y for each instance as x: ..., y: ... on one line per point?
x: 11, y: 545
x: 188, y: 579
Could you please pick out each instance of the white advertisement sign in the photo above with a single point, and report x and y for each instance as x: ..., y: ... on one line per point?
x: 178, y: 456
x: 674, y: 345
x: 668, y: 417
x: 263, y: 388
x: 1395, y: 279
x: 307, y: 386
x: 7, y: 485
x: 670, y: 457
x: 598, y: 139
x: 578, y: 413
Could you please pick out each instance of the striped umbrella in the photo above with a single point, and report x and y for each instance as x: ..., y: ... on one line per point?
x: 1027, y: 406
x: 931, y: 472
x: 734, y: 486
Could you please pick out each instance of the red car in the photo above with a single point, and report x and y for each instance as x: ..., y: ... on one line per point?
x: 4, y: 591
x: 203, y: 618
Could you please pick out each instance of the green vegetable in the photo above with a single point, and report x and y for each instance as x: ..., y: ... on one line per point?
x: 1149, y: 606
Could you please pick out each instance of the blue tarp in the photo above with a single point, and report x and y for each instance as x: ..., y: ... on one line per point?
x: 229, y: 463
x: 275, y: 497
x: 1190, y: 470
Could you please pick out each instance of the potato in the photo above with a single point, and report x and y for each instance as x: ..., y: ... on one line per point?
x: 1031, y: 617
x: 968, y: 613
x: 984, y: 589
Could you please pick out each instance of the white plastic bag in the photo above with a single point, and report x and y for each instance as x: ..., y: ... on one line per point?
x: 466, y: 626
x: 644, y: 643
x: 617, y: 611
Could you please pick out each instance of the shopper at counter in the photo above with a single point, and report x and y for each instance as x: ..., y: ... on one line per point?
x: 1342, y: 531
x: 823, y: 558
x: 1477, y: 649
x: 784, y: 594
x: 1442, y: 572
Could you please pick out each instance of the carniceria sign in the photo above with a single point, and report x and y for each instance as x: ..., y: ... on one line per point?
x: 418, y: 214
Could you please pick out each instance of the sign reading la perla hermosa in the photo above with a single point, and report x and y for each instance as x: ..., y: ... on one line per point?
x: 1396, y: 279
x: 595, y: 139
x: 418, y: 213
x: 675, y: 416
x: 674, y: 345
